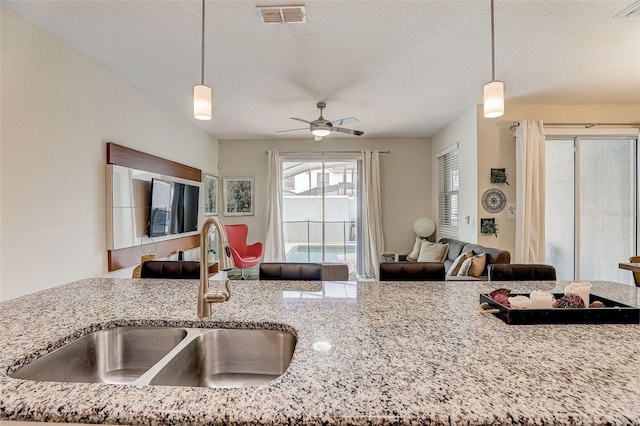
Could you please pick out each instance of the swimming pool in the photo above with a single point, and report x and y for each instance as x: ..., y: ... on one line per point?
x: 313, y: 253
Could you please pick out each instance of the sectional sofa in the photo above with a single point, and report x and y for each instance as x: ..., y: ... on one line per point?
x: 455, y: 249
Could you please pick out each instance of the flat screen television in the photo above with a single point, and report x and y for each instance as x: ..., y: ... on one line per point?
x: 174, y: 208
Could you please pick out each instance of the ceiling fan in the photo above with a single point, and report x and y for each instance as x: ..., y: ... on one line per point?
x: 322, y: 127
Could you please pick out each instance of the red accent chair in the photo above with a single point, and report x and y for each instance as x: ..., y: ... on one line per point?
x: 244, y: 256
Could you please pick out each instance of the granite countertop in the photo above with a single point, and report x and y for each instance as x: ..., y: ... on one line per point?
x: 401, y: 353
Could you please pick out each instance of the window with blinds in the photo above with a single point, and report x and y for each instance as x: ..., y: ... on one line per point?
x: 448, y: 185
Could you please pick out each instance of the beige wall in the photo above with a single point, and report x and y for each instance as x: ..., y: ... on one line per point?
x: 462, y: 131
x: 496, y: 148
x: 58, y: 111
x: 405, y: 180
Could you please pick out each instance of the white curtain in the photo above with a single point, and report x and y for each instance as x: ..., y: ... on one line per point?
x: 274, y: 238
x: 530, y: 192
x: 373, y: 239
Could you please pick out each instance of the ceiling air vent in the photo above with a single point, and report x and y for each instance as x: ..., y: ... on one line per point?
x: 282, y: 14
x: 633, y: 11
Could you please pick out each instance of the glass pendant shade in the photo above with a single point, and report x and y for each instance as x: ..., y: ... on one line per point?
x: 202, y: 102
x: 494, y: 99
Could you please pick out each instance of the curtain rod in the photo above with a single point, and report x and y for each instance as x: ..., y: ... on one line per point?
x: 586, y: 125
x: 326, y: 152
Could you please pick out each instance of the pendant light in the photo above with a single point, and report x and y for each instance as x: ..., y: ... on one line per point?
x: 202, y: 93
x: 493, y: 91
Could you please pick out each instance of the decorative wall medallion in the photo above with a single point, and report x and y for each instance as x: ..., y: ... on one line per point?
x: 494, y: 200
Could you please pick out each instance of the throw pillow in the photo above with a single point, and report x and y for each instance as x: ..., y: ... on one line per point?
x: 473, y: 266
x: 464, y: 267
x: 432, y: 252
x: 413, y: 256
x: 455, y: 266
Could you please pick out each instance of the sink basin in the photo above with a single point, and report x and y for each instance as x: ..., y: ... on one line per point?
x: 171, y: 356
x: 229, y: 358
x: 116, y: 355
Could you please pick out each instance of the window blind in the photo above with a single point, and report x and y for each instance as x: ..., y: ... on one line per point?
x: 448, y: 185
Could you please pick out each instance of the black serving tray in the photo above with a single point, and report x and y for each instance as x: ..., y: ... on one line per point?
x: 612, y: 313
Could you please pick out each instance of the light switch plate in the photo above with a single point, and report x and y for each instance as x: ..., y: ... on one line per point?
x: 511, y: 211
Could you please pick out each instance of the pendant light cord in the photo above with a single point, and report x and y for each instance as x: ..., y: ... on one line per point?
x: 493, y: 51
x: 202, y: 52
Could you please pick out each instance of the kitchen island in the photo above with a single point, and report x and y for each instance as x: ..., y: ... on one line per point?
x: 390, y: 353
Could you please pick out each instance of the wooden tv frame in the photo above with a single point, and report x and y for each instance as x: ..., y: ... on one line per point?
x: 127, y: 157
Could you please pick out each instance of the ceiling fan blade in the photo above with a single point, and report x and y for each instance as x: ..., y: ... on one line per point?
x: 346, y: 120
x: 292, y: 130
x: 317, y: 138
x: 300, y: 119
x: 348, y: 131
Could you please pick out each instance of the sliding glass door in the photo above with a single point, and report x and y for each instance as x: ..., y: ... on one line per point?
x: 591, y: 222
x: 321, y: 210
x: 560, y: 212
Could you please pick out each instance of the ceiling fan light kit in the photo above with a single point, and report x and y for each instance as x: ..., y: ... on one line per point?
x: 202, y: 99
x: 493, y: 93
x: 321, y: 131
x: 322, y: 127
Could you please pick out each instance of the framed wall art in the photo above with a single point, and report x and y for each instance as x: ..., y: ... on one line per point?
x: 499, y: 176
x: 210, y: 195
x: 489, y: 226
x: 238, y: 194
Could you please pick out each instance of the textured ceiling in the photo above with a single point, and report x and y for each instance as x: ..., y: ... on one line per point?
x: 404, y: 68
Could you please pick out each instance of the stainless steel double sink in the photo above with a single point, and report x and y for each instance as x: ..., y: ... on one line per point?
x: 171, y: 356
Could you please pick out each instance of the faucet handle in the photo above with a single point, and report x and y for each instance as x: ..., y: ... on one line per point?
x: 219, y: 296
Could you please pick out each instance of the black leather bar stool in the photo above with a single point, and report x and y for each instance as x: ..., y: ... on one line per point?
x: 521, y: 272
x: 290, y: 271
x: 170, y: 269
x: 412, y: 271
